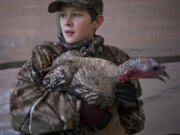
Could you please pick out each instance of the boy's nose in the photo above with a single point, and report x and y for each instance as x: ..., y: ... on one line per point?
x: 69, y: 21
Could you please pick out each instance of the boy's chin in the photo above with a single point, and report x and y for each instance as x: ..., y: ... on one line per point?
x: 71, y: 41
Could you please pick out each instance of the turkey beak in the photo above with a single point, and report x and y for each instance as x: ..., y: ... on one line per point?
x: 163, y: 73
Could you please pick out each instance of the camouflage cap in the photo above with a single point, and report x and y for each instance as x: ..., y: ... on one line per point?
x: 96, y: 5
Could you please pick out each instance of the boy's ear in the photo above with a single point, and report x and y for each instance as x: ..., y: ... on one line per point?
x: 99, y: 20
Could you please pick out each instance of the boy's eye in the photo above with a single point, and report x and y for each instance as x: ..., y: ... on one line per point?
x: 62, y: 15
x: 76, y: 14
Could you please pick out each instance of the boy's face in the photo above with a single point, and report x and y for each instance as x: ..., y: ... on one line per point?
x: 76, y: 24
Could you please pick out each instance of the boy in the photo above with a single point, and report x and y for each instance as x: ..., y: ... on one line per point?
x: 34, y: 110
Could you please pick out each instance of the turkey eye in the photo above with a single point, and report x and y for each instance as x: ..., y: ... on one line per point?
x: 155, y: 68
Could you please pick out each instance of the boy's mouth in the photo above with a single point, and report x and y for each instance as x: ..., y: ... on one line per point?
x: 69, y: 32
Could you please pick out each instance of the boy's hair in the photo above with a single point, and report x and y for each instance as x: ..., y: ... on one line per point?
x: 92, y: 14
x: 95, y: 5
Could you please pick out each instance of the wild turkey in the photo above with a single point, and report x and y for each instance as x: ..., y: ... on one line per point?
x: 93, y: 79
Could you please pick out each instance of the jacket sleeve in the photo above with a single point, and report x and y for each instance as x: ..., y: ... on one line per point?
x: 33, y: 109
x: 133, y: 118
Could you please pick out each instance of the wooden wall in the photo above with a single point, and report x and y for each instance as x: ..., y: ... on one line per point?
x: 139, y: 27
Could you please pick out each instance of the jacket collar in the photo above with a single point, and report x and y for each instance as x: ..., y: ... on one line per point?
x: 87, y: 46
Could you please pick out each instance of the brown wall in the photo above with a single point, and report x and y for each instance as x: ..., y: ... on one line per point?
x: 140, y: 27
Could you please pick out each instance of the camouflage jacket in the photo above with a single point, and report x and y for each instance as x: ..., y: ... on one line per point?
x: 35, y: 110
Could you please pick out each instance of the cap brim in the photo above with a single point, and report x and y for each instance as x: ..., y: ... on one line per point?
x: 54, y: 6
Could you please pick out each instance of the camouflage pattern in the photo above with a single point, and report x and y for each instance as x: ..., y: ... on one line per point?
x: 95, y: 5
x: 35, y: 110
